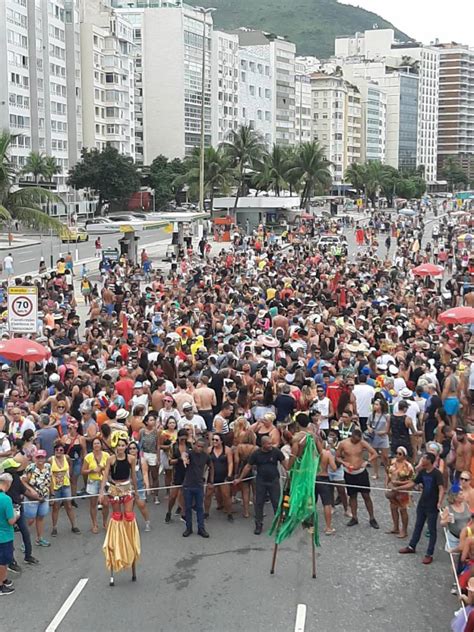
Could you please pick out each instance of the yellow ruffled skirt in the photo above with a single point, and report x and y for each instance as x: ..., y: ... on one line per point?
x: 122, y: 544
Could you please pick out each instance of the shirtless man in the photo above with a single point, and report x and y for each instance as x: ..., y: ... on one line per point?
x: 350, y: 454
x: 450, y: 394
x: 324, y: 491
x: 305, y: 428
x: 205, y: 399
x: 463, y: 453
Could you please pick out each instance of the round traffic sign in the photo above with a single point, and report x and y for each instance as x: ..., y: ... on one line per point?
x: 22, y: 306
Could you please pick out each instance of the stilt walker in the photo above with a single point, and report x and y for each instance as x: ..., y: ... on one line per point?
x: 122, y: 541
x: 298, y: 502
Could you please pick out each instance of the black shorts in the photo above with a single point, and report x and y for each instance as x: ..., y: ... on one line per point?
x: 324, y: 491
x: 6, y: 553
x: 361, y: 480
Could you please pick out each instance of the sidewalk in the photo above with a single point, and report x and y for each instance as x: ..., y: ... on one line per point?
x: 18, y: 242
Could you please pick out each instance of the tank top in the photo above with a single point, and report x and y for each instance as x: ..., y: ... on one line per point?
x: 60, y: 474
x: 225, y: 426
x: 120, y: 470
x: 400, y: 434
x: 220, y: 466
x: 148, y: 441
x: 73, y: 451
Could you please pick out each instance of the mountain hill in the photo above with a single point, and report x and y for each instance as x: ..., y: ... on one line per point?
x: 311, y: 24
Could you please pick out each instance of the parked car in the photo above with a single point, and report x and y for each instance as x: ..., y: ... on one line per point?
x: 326, y: 242
x: 101, y: 225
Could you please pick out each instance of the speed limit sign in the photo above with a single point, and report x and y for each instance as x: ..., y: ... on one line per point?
x: 23, y: 309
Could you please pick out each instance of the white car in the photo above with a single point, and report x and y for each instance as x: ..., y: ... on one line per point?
x: 326, y: 242
x: 101, y: 225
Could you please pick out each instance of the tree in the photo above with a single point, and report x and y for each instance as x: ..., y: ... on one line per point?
x: 22, y: 204
x: 51, y: 167
x: 245, y: 146
x: 356, y: 175
x: 312, y: 168
x: 35, y: 165
x: 270, y: 172
x: 218, y: 172
x: 111, y: 175
x: 453, y: 173
x: 163, y: 177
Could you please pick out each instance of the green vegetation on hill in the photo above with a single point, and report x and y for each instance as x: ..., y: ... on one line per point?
x: 311, y: 24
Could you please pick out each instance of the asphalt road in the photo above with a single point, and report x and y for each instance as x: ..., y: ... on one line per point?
x: 223, y: 584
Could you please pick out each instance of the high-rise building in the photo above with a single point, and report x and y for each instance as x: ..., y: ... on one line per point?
x: 225, y: 85
x: 256, y: 87
x: 171, y: 38
x: 456, y: 106
x: 108, y: 79
x: 39, y: 80
x: 282, y: 69
x: 303, y: 100
x: 399, y: 66
x: 337, y: 121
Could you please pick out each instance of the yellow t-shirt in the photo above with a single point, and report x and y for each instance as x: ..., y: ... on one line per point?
x: 270, y: 293
x: 60, y: 474
x: 61, y: 267
x: 92, y: 463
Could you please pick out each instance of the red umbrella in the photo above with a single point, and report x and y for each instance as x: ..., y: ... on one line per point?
x: 428, y: 269
x: 457, y: 315
x: 23, y: 349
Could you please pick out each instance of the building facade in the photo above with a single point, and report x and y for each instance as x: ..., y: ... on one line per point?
x: 256, y: 86
x: 456, y: 106
x: 225, y: 85
x: 337, y: 121
x: 303, y: 110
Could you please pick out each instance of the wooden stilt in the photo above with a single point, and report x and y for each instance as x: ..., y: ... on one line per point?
x: 134, y: 573
x: 274, y: 559
x: 111, y: 580
x: 313, y: 549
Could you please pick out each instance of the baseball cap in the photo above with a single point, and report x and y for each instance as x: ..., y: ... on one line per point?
x: 138, y: 385
x: 41, y: 453
x: 10, y: 464
x: 187, y: 406
x: 5, y: 367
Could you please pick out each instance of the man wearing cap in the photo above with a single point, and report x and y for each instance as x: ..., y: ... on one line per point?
x: 4, y: 382
x: 140, y: 396
x: 195, y: 420
x: 8, y: 517
x: 463, y: 450
x: 364, y: 395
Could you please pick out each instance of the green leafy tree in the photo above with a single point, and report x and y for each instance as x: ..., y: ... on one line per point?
x: 51, y: 167
x: 35, y: 165
x: 163, y: 179
x: 312, y: 168
x: 271, y: 171
x: 22, y: 204
x: 218, y: 173
x: 356, y: 174
x: 454, y: 174
x: 111, y: 175
x: 244, y: 147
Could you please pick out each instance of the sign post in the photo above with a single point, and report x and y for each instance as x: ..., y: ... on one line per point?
x: 22, y: 309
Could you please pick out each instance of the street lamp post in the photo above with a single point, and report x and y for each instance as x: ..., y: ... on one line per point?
x: 205, y: 12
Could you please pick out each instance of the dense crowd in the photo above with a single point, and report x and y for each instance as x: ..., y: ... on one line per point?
x: 196, y: 385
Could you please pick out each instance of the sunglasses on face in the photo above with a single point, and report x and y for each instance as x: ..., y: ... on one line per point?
x: 59, y: 449
x: 465, y: 479
x: 400, y: 454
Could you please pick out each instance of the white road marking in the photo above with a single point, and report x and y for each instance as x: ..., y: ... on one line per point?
x: 300, y: 618
x: 67, y: 605
x: 27, y: 260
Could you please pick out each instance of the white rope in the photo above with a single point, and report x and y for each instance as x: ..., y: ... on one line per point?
x: 455, y: 573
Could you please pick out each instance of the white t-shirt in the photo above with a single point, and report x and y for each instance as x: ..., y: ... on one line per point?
x: 196, y: 421
x: 398, y: 384
x: 322, y: 405
x: 364, y: 394
x: 139, y: 400
x: 17, y: 428
x: 8, y: 262
x: 4, y: 446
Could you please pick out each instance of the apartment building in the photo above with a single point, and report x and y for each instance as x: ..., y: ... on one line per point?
x: 225, y: 85
x: 168, y: 60
x: 337, y: 121
x: 39, y: 44
x: 108, y: 79
x: 256, y: 86
x: 281, y: 54
x: 408, y: 59
x: 456, y: 106
x: 303, y: 99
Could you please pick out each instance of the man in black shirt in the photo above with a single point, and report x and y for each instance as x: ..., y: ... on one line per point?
x: 266, y: 461
x: 195, y: 463
x: 429, y: 504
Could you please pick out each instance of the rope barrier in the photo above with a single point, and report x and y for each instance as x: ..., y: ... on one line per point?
x: 147, y: 490
x: 455, y: 573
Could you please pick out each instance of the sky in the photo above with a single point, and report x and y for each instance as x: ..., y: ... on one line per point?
x: 426, y: 20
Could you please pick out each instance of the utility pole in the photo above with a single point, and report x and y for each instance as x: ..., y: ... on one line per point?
x: 205, y: 13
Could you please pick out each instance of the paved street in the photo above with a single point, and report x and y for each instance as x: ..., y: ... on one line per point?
x: 223, y: 583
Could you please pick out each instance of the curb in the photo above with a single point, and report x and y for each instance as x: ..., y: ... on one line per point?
x: 17, y: 247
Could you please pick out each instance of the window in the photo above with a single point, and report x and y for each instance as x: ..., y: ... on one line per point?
x: 252, y: 90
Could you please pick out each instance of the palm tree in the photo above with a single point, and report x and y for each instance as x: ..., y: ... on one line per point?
x: 22, y: 204
x: 245, y: 146
x: 312, y: 167
x: 51, y: 167
x: 35, y: 164
x: 271, y: 171
x: 218, y: 172
x: 356, y: 174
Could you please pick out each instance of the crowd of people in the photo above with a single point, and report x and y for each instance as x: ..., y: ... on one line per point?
x: 193, y: 387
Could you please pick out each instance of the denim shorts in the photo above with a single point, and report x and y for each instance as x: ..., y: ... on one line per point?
x: 76, y: 467
x: 63, y: 492
x: 35, y: 509
x: 6, y: 553
x: 93, y: 488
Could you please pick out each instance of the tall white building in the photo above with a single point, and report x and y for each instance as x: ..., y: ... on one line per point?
x: 303, y: 105
x: 39, y: 74
x: 225, y: 85
x: 337, y: 121
x: 282, y: 68
x: 407, y: 59
x: 108, y: 79
x: 256, y: 87
x: 169, y: 76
